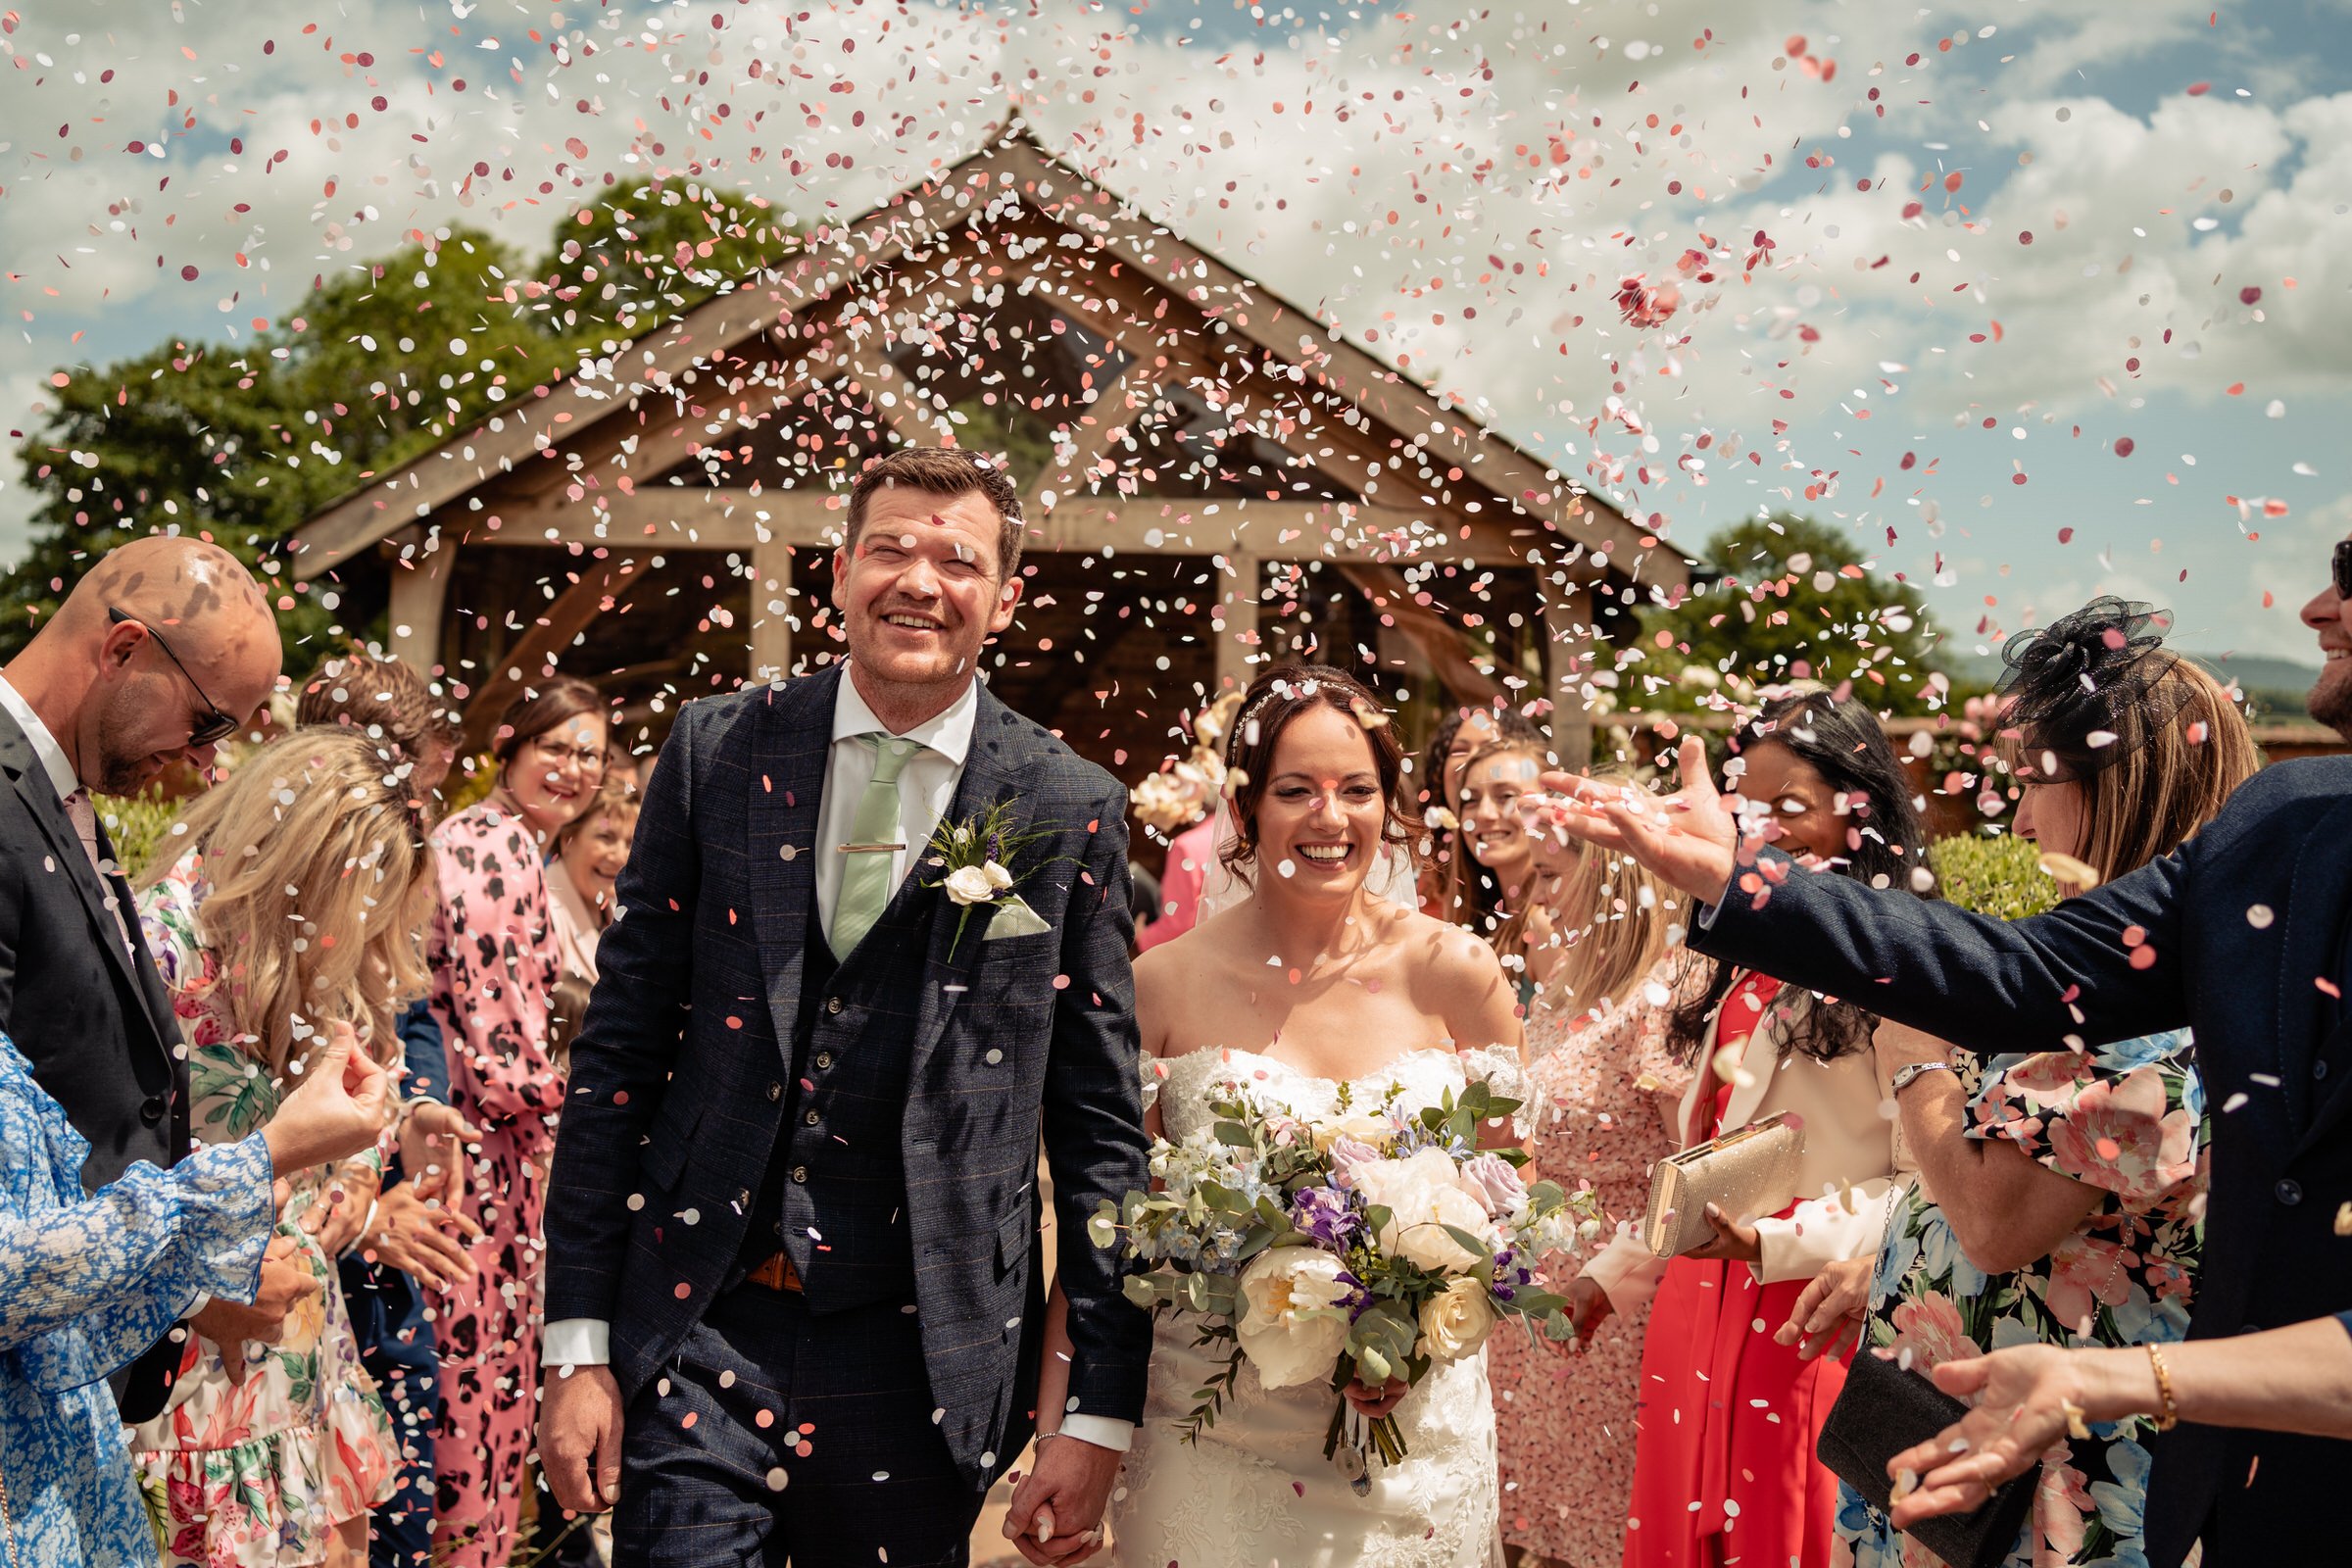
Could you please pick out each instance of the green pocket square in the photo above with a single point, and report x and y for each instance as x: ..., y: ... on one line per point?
x: 1014, y: 919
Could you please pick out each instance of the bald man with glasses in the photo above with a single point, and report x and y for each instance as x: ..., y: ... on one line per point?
x: 151, y: 660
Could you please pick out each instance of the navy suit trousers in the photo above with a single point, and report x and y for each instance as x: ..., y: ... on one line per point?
x: 778, y: 1435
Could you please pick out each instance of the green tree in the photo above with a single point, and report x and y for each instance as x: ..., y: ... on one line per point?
x: 1789, y: 597
x: 373, y: 369
x: 649, y: 249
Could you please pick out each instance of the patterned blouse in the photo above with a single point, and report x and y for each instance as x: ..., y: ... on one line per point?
x: 2126, y: 1118
x: 253, y: 1474
x: 86, y: 1284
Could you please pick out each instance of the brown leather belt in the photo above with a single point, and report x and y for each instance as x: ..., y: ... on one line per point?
x: 777, y: 1274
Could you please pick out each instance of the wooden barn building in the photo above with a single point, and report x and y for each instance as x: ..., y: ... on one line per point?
x: 1212, y: 477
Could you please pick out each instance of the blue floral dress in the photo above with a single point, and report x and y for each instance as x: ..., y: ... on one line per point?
x: 86, y: 1284
x: 2129, y: 1120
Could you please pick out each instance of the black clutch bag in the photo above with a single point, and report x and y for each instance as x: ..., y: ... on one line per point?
x: 1883, y: 1410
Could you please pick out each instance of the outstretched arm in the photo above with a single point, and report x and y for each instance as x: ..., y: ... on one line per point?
x: 2105, y: 966
x: 2296, y: 1379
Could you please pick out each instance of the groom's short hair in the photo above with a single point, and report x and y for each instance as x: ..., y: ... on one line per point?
x: 946, y: 473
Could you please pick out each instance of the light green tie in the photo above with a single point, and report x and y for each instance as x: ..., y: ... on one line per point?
x: 866, y: 882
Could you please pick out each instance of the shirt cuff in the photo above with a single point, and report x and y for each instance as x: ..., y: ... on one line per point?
x: 201, y: 1300
x: 576, y: 1342
x: 1102, y: 1431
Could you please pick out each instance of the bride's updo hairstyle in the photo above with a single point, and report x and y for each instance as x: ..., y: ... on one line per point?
x: 1274, y: 700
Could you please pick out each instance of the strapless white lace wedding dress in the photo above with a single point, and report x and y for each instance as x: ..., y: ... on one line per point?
x: 1254, y: 1490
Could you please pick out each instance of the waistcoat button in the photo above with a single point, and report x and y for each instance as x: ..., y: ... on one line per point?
x: 800, y: 1174
x: 809, y: 1118
x: 2289, y: 1192
x: 775, y: 1092
x: 824, y: 1059
x: 832, y: 1003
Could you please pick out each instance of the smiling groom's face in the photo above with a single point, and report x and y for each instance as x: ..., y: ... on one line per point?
x: 920, y: 590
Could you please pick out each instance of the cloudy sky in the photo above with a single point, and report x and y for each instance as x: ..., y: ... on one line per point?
x: 2040, y: 299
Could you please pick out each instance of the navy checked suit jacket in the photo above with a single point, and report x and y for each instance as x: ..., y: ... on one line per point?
x: 2248, y: 924
x: 670, y: 1119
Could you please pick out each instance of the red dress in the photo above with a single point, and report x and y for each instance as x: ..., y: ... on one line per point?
x: 1724, y: 1471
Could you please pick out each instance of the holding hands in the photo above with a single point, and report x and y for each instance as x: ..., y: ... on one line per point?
x: 1057, y: 1514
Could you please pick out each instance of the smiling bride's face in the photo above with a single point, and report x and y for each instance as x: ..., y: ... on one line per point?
x: 1318, y: 823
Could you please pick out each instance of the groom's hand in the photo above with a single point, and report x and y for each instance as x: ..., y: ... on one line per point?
x: 579, y: 1436
x: 1057, y: 1515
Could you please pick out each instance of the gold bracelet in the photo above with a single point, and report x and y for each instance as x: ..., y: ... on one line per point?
x: 2168, y: 1410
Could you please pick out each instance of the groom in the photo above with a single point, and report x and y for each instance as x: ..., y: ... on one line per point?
x: 794, y: 1301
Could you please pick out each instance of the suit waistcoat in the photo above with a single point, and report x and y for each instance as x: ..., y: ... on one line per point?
x: 835, y: 1192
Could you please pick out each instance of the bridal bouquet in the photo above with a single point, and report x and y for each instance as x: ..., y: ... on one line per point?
x: 1378, y: 1243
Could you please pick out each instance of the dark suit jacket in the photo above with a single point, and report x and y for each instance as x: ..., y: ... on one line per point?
x: 670, y: 1099
x: 2247, y: 923
x: 95, y: 1023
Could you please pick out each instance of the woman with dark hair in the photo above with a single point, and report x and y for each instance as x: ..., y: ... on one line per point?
x: 495, y: 961
x: 2064, y: 1190
x: 1724, y: 1467
x: 1454, y: 887
x: 1322, y: 994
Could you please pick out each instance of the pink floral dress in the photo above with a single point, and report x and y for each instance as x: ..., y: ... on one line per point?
x: 2130, y: 1121
x: 255, y: 1474
x: 1606, y: 1091
x: 495, y: 963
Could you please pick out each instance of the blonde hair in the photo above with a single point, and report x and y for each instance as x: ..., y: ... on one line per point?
x: 1626, y: 915
x: 2147, y: 803
x: 319, y: 888
x: 617, y: 798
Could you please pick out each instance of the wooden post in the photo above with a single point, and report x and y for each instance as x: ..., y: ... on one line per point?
x: 419, y: 598
x: 1237, y: 598
x: 1567, y: 632
x: 771, y: 604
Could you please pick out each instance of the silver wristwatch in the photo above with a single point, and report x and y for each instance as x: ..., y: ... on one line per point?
x: 1904, y: 1075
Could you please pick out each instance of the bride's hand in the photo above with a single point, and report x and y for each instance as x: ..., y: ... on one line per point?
x: 1372, y: 1403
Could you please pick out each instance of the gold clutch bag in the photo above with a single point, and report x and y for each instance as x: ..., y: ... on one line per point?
x: 1744, y: 1173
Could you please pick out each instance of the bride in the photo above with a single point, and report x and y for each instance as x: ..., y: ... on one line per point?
x: 1313, y: 984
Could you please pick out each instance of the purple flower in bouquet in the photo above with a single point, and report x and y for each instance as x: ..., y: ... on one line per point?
x: 1494, y: 1179
x: 1327, y: 1216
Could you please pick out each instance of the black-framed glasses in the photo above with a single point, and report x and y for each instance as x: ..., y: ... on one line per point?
x: 214, y: 725
x: 2343, y: 569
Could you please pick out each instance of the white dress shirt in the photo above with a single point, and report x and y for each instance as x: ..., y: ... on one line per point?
x: 927, y: 787
x: 926, y: 784
x: 45, y: 745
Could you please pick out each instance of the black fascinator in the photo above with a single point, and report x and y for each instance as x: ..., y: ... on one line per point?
x: 2089, y: 689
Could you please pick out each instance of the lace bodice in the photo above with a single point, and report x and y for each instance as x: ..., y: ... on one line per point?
x: 1184, y: 1082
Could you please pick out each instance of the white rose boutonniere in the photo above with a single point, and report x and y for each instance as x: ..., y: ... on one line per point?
x: 971, y: 857
x: 970, y: 884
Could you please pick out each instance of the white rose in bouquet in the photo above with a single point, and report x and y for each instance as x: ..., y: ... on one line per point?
x: 1423, y: 1196
x: 969, y: 884
x: 1455, y: 1323
x: 1293, y: 1326
x: 1377, y: 1131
